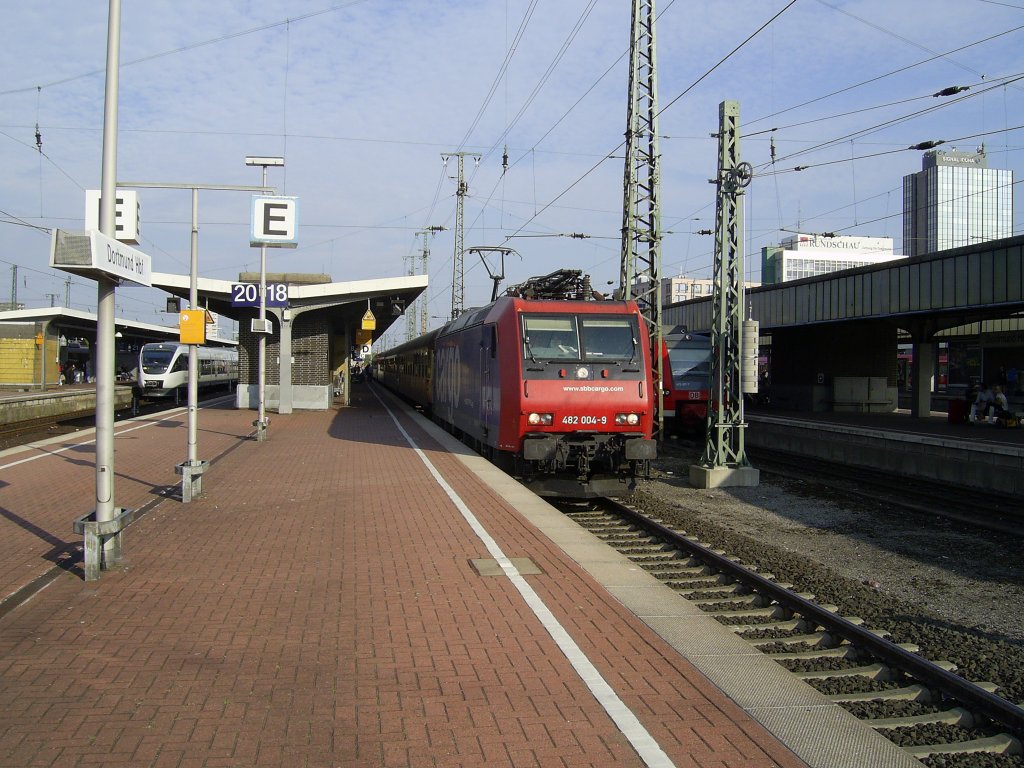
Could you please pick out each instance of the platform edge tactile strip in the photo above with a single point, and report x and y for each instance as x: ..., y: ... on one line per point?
x: 831, y: 736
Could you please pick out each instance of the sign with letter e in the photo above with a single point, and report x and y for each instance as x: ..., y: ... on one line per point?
x: 126, y: 214
x: 274, y: 222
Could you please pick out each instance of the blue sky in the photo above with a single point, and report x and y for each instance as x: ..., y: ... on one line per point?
x: 364, y: 97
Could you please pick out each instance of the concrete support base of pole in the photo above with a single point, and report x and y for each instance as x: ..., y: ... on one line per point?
x: 191, y: 479
x: 261, y: 429
x: 721, y: 477
x: 102, y: 546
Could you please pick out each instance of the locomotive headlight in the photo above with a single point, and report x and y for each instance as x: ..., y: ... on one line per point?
x: 540, y: 419
x: 582, y: 373
x: 623, y: 419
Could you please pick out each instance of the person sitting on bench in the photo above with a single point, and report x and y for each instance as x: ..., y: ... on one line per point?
x: 1000, y: 404
x: 984, y: 404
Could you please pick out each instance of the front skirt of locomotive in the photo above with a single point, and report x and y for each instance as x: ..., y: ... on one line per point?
x: 584, y: 465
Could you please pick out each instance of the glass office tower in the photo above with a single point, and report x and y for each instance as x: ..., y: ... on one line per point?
x: 955, y: 200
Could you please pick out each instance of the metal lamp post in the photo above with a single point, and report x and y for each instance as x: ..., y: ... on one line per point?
x: 261, y: 422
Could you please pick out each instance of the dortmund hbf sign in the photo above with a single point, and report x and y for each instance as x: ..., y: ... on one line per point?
x: 95, y: 255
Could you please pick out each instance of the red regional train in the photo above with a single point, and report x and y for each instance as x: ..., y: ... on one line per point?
x: 557, y: 392
x: 687, y: 371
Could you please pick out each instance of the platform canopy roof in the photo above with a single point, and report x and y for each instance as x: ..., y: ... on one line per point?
x: 84, y: 323
x: 344, y: 304
x: 923, y: 294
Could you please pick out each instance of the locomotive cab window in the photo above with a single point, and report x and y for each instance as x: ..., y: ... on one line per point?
x: 583, y: 337
x: 550, y: 338
x: 609, y: 338
x: 689, y: 363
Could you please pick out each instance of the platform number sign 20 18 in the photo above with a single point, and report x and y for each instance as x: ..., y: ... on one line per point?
x: 248, y: 295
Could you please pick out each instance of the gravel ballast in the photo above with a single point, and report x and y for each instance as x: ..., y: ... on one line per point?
x: 956, y: 592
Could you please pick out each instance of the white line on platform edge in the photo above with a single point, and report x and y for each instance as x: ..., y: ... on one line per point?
x: 628, y: 723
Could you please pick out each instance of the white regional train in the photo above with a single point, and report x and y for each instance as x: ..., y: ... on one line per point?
x: 163, y: 369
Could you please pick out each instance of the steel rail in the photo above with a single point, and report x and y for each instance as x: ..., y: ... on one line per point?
x: 989, y: 704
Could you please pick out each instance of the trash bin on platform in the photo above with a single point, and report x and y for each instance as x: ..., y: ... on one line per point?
x: 957, y: 413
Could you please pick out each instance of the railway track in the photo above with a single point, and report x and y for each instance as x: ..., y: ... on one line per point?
x: 981, y: 509
x: 14, y: 433
x: 30, y: 430
x: 974, y: 507
x: 922, y: 705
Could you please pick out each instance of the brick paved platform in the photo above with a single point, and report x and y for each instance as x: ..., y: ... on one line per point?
x: 319, y: 605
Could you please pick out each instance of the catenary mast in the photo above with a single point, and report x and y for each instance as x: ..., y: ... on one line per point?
x: 458, y: 266
x: 724, y: 462
x: 424, y: 270
x: 640, y: 275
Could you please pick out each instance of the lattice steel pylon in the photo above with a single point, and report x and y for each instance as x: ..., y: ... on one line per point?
x: 724, y: 461
x: 410, y: 311
x: 425, y: 270
x: 458, y: 266
x: 640, y: 275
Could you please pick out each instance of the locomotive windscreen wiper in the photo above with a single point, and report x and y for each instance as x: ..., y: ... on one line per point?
x: 529, y: 349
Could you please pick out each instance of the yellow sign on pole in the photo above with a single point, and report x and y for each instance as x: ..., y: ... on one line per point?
x: 369, y: 321
x: 192, y: 326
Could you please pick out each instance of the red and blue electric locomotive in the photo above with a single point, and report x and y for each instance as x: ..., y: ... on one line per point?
x: 557, y: 392
x: 687, y: 370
